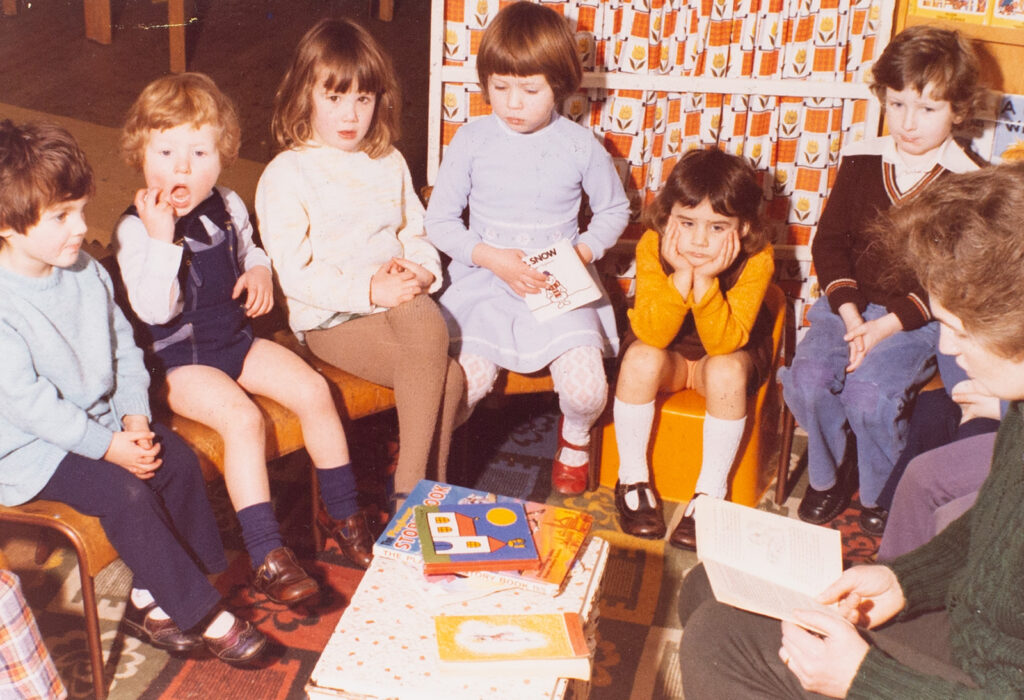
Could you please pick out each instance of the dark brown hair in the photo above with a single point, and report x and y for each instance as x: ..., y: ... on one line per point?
x: 335, y: 54
x: 176, y: 99
x: 527, y: 39
x: 727, y: 182
x: 920, y: 56
x: 964, y: 238
x: 41, y: 166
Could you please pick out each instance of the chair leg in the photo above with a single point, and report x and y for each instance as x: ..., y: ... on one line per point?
x: 92, y: 631
x: 782, y: 470
x: 594, y: 473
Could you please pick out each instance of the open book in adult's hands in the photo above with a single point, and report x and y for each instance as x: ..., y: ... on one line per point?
x: 764, y: 562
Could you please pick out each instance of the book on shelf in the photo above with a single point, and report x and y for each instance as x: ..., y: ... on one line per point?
x: 764, y: 562
x: 569, y: 283
x: 475, y: 537
x: 527, y: 645
x: 559, y: 534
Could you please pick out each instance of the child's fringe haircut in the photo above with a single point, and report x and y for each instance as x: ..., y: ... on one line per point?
x: 335, y: 54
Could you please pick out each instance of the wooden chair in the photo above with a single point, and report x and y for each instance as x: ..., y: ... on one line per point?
x: 94, y: 553
x: 676, y: 445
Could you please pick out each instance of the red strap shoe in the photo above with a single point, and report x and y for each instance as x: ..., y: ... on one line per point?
x: 566, y: 480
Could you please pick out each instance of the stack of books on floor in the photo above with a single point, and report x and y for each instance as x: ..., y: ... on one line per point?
x: 470, y: 594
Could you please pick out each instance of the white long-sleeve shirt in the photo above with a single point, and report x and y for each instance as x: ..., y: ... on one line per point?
x: 150, y: 267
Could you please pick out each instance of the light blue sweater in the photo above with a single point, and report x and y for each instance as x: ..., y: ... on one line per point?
x: 70, y: 370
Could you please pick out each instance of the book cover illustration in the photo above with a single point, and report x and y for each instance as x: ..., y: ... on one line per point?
x: 559, y: 534
x: 1008, y: 136
x: 478, y: 536
x: 569, y: 282
x: 533, y: 643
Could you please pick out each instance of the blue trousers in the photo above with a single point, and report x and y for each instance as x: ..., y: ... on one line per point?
x: 871, y: 402
x: 163, y: 528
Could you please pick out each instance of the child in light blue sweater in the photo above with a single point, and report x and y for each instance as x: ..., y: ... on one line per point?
x: 74, y: 408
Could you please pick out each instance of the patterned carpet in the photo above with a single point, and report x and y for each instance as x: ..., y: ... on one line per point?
x: 639, y: 630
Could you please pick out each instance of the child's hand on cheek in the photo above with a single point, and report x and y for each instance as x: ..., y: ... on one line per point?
x: 682, y: 276
x: 392, y: 285
x: 156, y: 213
x: 720, y: 263
x: 259, y: 287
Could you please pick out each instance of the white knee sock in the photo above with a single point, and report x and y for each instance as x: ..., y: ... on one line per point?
x: 633, y: 424
x: 721, y: 442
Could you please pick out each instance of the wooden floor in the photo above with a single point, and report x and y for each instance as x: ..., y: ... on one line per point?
x: 47, y: 64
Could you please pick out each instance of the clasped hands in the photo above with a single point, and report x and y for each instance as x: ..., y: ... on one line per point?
x: 863, y: 335
x: 397, y: 281
x: 135, y: 448
x: 826, y: 663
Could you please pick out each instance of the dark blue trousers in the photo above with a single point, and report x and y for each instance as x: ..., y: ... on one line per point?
x: 163, y: 528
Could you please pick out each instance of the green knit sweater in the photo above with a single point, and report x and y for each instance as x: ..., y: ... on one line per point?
x: 975, y: 570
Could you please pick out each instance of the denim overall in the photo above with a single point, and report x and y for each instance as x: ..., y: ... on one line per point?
x: 212, y: 329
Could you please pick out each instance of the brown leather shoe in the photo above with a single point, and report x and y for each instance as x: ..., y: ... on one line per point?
x: 352, y: 534
x: 282, y: 580
x: 240, y: 645
x: 644, y: 521
x: 684, y: 536
x: 162, y: 634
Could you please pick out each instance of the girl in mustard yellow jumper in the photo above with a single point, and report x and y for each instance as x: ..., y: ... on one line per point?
x: 698, y: 322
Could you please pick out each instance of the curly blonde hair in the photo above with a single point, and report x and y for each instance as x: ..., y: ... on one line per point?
x: 173, y: 100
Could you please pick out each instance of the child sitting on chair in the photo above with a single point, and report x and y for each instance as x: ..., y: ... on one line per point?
x: 194, y: 276
x: 74, y: 408
x: 871, y: 344
x: 523, y: 172
x: 698, y: 322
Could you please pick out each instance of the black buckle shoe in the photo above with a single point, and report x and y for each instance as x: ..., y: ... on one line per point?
x: 872, y: 520
x: 162, y: 634
x: 819, y: 507
x: 644, y: 521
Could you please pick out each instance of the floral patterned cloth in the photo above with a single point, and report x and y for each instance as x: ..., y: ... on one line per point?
x: 793, y: 141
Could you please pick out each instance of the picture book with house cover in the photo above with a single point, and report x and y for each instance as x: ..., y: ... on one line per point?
x: 477, y: 536
x: 559, y: 534
x: 521, y: 645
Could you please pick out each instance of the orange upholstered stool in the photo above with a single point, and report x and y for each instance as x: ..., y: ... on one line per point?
x: 677, y: 439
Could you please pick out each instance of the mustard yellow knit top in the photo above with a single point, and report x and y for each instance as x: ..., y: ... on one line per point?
x: 723, y: 322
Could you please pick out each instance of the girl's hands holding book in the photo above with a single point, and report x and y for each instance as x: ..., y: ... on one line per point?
x: 508, y: 265
x: 156, y: 213
x: 259, y: 287
x: 393, y: 284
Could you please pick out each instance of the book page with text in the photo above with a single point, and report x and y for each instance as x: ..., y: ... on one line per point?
x: 764, y: 562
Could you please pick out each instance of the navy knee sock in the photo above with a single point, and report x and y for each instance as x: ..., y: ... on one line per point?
x: 338, y: 491
x: 260, y: 531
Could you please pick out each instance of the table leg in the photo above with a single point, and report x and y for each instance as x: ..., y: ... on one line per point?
x: 97, y: 20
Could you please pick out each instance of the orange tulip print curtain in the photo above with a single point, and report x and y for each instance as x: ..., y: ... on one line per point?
x: 664, y: 76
